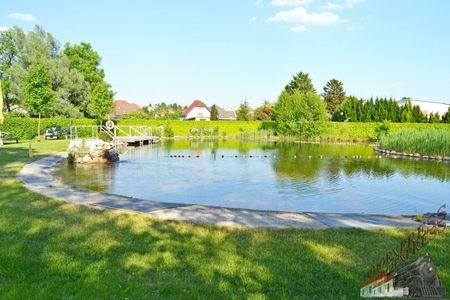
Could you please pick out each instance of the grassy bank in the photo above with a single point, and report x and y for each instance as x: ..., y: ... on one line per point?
x: 27, y: 128
x: 425, y: 142
x: 53, y: 250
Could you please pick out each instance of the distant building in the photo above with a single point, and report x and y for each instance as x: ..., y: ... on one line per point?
x: 196, y: 111
x: 427, y: 107
x: 124, y: 107
x: 226, y: 114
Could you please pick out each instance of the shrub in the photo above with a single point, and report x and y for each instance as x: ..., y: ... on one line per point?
x: 382, y: 129
x: 300, y: 114
x: 168, y: 131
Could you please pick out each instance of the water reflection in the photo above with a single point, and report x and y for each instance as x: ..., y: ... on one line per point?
x: 268, y: 175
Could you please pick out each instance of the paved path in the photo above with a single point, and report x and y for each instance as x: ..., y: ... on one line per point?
x: 37, y: 176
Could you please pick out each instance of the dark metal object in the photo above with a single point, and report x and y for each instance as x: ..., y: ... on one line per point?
x: 55, y: 133
x: 421, y: 279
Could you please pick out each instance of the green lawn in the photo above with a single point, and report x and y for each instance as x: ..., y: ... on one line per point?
x: 53, y: 250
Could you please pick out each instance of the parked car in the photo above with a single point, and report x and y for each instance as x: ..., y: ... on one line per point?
x: 55, y: 133
x: 7, y: 136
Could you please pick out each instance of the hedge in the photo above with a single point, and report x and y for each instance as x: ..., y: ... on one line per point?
x: 26, y: 128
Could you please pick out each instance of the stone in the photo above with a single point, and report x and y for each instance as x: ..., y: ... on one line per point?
x: 96, y: 151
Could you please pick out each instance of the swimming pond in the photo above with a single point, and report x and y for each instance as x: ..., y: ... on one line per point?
x: 270, y: 176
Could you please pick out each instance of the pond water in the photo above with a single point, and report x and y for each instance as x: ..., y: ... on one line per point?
x: 271, y: 176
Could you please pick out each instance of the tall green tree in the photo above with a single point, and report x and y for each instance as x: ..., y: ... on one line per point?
x: 38, y: 91
x: 83, y: 58
x: 333, y: 94
x: 300, y: 114
x: 101, y: 100
x: 2, y: 118
x: 8, y: 56
x: 40, y: 47
x: 214, y: 113
x: 243, y: 113
x: 301, y: 83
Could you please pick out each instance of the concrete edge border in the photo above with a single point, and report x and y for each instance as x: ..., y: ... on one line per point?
x: 38, y: 177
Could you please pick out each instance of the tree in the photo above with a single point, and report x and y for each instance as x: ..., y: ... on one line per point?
x: 300, y: 114
x: 434, y: 118
x: 38, y: 92
x: 101, y: 100
x: 1, y: 106
x: 214, y: 113
x: 446, y: 116
x: 265, y: 112
x: 243, y: 113
x: 8, y: 56
x: 333, y: 94
x: 300, y: 82
x: 87, y: 61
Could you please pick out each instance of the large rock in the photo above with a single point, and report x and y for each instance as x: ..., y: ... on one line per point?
x: 92, y: 151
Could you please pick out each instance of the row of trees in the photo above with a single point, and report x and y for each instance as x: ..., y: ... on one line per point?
x: 38, y: 74
x: 377, y: 110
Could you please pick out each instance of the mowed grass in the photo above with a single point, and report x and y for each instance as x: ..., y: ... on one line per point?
x: 53, y: 250
x: 424, y: 142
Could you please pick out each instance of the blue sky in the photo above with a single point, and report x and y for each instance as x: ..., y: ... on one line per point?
x: 227, y: 51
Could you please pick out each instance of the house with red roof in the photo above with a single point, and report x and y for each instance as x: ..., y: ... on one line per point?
x: 124, y: 107
x: 196, y: 111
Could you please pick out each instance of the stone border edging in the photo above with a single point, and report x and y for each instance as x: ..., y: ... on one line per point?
x: 37, y: 177
x: 412, y: 155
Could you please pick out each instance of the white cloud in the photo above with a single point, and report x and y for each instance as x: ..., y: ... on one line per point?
x: 345, y: 4
x: 253, y: 19
x: 22, y: 17
x: 299, y: 28
x: 291, y: 2
x: 300, y: 15
x: 3, y: 28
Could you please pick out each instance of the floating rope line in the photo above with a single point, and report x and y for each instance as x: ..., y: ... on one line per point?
x: 274, y: 156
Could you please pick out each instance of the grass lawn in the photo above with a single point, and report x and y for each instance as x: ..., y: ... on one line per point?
x: 53, y: 250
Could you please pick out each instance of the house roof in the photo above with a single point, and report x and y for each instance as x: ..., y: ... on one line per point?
x: 425, y: 101
x: 196, y: 103
x: 225, y: 114
x: 122, y: 107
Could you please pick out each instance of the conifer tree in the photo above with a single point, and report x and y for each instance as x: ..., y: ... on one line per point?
x: 214, y: 113
x: 333, y: 94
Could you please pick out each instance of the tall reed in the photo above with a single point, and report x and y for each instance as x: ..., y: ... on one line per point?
x: 425, y: 142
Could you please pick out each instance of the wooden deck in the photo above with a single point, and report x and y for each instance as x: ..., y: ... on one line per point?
x: 138, y: 140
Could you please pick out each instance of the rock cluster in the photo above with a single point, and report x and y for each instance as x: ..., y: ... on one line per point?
x: 88, y: 152
x: 412, y: 155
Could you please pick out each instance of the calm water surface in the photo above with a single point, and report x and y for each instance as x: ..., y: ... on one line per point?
x: 271, y: 176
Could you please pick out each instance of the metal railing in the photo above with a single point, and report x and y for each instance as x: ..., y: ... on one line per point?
x: 92, y: 131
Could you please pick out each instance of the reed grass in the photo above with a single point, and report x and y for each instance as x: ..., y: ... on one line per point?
x: 434, y: 142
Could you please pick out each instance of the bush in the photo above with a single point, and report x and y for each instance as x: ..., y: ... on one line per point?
x: 168, y: 132
x: 27, y: 128
x: 382, y: 129
x: 300, y: 114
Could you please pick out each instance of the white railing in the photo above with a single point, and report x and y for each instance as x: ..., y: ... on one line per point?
x: 141, y: 132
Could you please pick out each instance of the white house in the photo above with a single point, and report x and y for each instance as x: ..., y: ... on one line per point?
x: 196, y: 111
x: 427, y: 107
